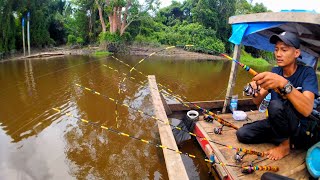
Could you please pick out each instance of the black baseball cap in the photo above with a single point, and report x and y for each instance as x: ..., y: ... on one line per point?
x: 287, y: 37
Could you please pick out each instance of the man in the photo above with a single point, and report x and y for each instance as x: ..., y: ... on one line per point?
x: 296, y: 87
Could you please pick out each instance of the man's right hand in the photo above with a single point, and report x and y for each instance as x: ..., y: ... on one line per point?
x: 259, y: 93
x: 256, y: 88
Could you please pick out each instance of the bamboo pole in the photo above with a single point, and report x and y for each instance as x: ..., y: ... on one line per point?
x: 23, y: 39
x: 28, y: 33
x: 232, y: 77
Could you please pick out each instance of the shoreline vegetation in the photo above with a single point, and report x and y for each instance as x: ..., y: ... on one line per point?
x: 174, y: 53
x: 54, y: 26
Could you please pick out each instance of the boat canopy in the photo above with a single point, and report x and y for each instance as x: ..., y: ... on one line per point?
x: 256, y: 29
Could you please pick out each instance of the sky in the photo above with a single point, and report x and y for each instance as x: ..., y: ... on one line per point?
x: 277, y: 5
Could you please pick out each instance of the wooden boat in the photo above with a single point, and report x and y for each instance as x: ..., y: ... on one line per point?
x: 293, y: 165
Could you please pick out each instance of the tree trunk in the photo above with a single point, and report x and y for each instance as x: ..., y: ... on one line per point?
x: 103, y: 24
x: 124, y: 20
x: 114, y: 20
x: 117, y: 20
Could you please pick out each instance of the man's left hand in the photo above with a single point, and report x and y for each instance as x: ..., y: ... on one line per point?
x: 269, y: 80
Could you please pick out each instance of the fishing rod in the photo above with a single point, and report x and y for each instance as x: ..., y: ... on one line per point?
x: 245, y: 67
x: 211, y: 160
x: 205, y: 111
x: 247, y: 151
x: 250, y: 71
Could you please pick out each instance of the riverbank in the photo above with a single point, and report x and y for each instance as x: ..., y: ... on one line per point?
x: 176, y: 53
x: 134, y: 50
x: 47, y: 53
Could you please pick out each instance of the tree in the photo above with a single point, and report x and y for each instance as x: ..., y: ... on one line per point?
x: 121, y: 13
x: 245, y: 7
x: 172, y: 14
x: 7, y: 26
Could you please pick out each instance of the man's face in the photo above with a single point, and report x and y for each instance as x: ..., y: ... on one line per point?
x: 285, y: 55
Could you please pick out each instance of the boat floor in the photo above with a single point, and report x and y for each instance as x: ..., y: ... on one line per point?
x: 293, y: 165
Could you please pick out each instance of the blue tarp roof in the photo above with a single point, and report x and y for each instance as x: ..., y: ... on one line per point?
x: 247, y: 34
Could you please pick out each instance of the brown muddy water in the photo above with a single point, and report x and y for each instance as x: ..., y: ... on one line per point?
x: 39, y: 143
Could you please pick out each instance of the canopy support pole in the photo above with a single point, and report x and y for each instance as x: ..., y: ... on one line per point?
x: 232, y: 77
x: 316, y: 64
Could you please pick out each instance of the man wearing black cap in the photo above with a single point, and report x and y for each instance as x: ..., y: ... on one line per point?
x: 296, y: 87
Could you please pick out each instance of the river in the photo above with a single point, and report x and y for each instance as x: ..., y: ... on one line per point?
x: 37, y: 142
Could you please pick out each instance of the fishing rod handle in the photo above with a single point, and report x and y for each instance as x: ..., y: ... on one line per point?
x: 251, y: 169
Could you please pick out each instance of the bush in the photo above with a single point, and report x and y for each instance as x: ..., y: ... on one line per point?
x: 80, y: 41
x: 212, y: 44
x: 202, y: 38
x: 143, y: 40
x: 101, y: 53
x: 72, y: 39
x: 110, y: 37
x: 247, y: 59
x: 112, y: 42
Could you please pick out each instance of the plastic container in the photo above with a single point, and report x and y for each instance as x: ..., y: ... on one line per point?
x: 234, y: 103
x: 193, y: 115
x: 265, y: 103
x: 313, y: 160
x: 239, y: 115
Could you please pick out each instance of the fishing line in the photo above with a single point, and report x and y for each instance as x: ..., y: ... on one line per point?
x: 121, y: 84
x: 48, y: 97
x: 267, y: 168
x: 248, y: 151
x: 142, y: 83
x: 47, y: 74
x: 205, y: 111
x: 151, y: 143
x: 148, y: 56
x: 144, y: 75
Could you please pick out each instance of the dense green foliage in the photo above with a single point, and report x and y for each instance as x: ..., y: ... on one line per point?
x: 247, y: 59
x: 202, y: 23
x: 101, y: 53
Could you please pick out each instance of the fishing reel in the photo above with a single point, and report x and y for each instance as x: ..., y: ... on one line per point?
x: 247, y: 168
x: 218, y: 130
x: 238, y: 157
x: 248, y: 90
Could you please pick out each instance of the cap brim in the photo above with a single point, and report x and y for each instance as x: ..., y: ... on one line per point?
x: 275, y: 38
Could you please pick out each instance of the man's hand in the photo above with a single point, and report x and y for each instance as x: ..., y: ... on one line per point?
x: 256, y: 88
x: 269, y: 80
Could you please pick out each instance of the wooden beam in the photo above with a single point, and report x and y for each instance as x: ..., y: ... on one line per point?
x: 302, y: 17
x: 232, y: 77
x: 218, y: 104
x: 165, y: 105
x: 225, y: 172
x: 175, y: 166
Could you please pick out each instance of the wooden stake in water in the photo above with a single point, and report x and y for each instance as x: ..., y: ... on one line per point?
x: 28, y: 32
